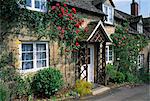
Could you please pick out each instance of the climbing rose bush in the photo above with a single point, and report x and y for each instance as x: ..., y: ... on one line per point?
x: 65, y: 25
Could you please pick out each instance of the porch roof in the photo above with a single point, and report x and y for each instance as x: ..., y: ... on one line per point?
x: 93, y: 27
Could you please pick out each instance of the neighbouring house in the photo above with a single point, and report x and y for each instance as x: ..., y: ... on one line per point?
x: 96, y: 50
x: 137, y: 26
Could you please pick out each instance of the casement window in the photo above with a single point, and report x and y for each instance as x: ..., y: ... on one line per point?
x: 140, y: 28
x: 36, y: 5
x: 109, y: 54
x: 140, y: 61
x: 34, y: 55
x: 109, y: 11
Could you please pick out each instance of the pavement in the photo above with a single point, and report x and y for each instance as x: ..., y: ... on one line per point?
x: 138, y: 93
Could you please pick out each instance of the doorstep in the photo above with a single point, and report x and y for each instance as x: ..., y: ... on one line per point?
x: 99, y: 90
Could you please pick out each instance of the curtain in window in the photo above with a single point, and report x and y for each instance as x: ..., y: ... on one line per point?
x: 41, y: 55
x: 41, y: 4
x: 28, y: 3
x: 27, y: 56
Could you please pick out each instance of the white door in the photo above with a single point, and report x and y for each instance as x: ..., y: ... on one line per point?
x: 90, y: 65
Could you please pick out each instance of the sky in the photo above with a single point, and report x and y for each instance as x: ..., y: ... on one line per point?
x: 124, y: 5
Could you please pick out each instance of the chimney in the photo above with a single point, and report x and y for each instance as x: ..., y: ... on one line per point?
x: 134, y: 8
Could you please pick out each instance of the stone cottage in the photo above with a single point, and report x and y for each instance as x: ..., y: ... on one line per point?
x: 33, y: 54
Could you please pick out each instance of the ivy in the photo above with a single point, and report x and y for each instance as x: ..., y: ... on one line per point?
x: 59, y: 23
x: 127, y: 48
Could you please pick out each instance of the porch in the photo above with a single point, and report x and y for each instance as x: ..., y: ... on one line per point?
x: 91, y: 63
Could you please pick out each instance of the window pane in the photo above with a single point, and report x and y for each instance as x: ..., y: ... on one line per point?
x: 27, y: 47
x: 43, y: 4
x: 27, y: 56
x: 110, y: 14
x: 40, y: 4
x: 37, y: 3
x: 106, y: 54
x: 27, y: 65
x: 41, y: 55
x: 41, y: 63
x: 41, y: 47
x: 110, y: 53
x: 28, y: 3
x: 106, y: 12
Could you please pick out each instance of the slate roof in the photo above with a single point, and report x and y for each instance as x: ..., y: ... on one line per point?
x: 146, y: 21
x: 83, y: 4
x: 133, y: 19
x: 96, y: 2
x: 123, y: 15
x: 118, y: 15
x: 91, y: 26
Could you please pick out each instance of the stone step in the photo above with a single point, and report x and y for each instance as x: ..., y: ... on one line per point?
x: 100, y: 90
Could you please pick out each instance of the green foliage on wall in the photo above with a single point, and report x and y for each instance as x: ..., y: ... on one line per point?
x: 59, y: 22
x: 127, y: 47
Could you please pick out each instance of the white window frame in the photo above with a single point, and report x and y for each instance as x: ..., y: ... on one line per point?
x: 34, y: 69
x: 33, y: 6
x: 107, y: 54
x: 110, y: 10
x: 140, y: 61
x: 140, y: 28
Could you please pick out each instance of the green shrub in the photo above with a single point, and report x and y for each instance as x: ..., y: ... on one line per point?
x: 46, y: 82
x: 114, y: 75
x: 83, y: 87
x: 111, y: 71
x: 23, y: 86
x: 4, y: 92
x: 119, y: 77
x: 131, y: 78
x: 144, y: 75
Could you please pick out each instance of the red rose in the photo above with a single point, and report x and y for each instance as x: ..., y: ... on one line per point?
x: 60, y: 15
x: 77, y: 31
x: 57, y: 4
x: 66, y: 10
x: 62, y: 31
x: 62, y: 10
x: 59, y: 28
x: 71, y: 18
x: 53, y: 7
x: 77, y: 25
x: 86, y: 29
x: 77, y: 44
x: 70, y: 15
x: 65, y: 5
x: 74, y: 10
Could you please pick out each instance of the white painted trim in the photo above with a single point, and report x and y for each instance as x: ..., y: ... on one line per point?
x: 109, y: 61
x: 99, y: 23
x: 33, y: 6
x: 108, y: 14
x: 34, y: 57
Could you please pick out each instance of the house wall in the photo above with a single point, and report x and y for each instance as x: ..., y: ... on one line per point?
x: 61, y: 62
x: 110, y: 29
x: 56, y: 60
x: 145, y: 51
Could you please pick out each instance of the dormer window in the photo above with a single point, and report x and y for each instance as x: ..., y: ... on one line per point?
x: 139, y: 28
x: 109, y: 11
x: 36, y: 5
